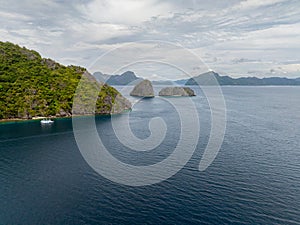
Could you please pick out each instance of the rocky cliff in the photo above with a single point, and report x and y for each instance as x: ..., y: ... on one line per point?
x: 143, y: 89
x: 176, y: 91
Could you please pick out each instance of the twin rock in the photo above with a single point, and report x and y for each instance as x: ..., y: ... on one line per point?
x: 145, y: 89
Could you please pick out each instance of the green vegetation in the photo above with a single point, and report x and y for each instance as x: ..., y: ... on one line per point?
x: 32, y: 86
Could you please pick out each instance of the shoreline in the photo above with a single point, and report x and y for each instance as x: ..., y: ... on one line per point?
x: 19, y: 120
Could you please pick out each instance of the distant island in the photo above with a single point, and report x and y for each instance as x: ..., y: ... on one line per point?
x: 143, y: 89
x: 203, y: 79
x: 176, y: 91
x: 128, y: 77
x: 207, y: 79
x: 31, y: 86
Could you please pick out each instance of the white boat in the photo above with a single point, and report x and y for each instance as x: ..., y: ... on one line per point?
x: 46, y: 121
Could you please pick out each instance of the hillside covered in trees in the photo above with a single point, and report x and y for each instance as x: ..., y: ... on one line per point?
x: 32, y: 86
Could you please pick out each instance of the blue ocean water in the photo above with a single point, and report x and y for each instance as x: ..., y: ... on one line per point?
x: 255, y: 178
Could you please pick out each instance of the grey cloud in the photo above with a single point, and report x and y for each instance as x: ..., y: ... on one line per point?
x: 245, y: 60
x: 210, y: 26
x: 232, y: 32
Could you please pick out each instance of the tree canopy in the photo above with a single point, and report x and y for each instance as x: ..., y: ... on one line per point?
x: 33, y: 86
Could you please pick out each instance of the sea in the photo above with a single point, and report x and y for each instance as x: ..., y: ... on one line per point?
x: 254, y: 179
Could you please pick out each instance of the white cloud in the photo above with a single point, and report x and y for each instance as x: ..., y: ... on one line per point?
x: 253, y: 4
x: 130, y: 12
x: 97, y: 32
x: 13, y: 16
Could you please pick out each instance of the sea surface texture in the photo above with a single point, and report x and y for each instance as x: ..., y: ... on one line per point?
x: 255, y: 178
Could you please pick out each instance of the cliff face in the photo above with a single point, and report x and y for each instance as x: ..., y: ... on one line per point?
x: 176, y: 91
x: 32, y: 86
x: 97, y: 98
x: 143, y: 89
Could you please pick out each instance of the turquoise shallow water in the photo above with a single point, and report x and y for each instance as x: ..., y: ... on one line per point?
x: 255, y: 178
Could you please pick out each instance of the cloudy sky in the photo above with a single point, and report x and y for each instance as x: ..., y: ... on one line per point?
x: 232, y: 37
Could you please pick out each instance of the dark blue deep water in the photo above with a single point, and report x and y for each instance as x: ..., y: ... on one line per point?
x: 255, y: 178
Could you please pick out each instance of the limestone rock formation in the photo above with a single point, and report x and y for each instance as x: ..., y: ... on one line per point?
x: 143, y: 89
x: 176, y: 91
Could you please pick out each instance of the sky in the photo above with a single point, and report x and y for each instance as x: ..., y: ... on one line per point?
x: 160, y: 39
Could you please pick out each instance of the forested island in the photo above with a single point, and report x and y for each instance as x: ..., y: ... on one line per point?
x: 32, y: 86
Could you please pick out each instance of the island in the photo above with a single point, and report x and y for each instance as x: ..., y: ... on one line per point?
x: 209, y: 78
x: 126, y: 78
x: 212, y: 78
x: 176, y: 91
x: 33, y: 87
x: 143, y: 89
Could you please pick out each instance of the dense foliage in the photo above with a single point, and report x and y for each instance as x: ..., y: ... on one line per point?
x: 32, y: 86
